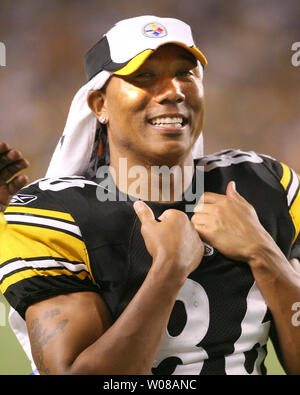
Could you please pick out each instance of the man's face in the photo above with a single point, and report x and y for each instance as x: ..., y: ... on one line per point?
x: 156, y: 114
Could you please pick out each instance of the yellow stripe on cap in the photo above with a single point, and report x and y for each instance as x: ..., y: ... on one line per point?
x: 136, y: 62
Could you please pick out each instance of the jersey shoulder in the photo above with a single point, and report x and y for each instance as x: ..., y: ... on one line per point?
x: 225, y: 159
x: 256, y: 165
x: 52, y: 193
x: 42, y: 249
x: 261, y: 178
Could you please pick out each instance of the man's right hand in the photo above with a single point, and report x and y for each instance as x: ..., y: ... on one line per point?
x: 79, y: 335
x: 172, y: 241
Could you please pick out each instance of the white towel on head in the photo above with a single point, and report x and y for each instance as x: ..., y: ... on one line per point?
x: 73, y: 153
x: 197, y: 150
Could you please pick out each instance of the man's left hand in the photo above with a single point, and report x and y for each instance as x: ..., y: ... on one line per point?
x: 230, y: 224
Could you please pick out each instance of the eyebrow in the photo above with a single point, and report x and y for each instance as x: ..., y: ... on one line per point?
x: 188, y: 58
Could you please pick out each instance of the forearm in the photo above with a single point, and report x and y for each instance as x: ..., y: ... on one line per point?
x: 130, y: 345
x: 81, y: 337
x: 279, y: 284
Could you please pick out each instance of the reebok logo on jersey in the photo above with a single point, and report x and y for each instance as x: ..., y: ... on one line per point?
x: 22, y: 199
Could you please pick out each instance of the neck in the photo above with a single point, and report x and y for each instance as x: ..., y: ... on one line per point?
x: 159, y: 183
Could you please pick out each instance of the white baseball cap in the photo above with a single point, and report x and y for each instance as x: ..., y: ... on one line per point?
x: 125, y: 47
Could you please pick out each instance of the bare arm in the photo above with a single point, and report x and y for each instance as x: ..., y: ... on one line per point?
x: 11, y: 162
x: 78, y: 337
x: 279, y: 283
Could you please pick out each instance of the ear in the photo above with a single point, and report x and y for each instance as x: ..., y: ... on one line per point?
x: 96, y: 102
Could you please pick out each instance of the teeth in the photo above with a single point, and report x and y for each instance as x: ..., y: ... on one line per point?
x: 177, y: 121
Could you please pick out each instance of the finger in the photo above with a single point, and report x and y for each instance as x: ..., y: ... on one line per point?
x: 166, y: 214
x: 205, y: 208
x: 200, y: 219
x: 17, y: 183
x: 200, y: 204
x: 295, y: 264
x: 10, y: 170
x: 10, y: 156
x: 211, y: 197
x: 3, y: 147
x: 201, y: 229
x: 232, y: 192
x: 13, y: 155
x: 143, y: 211
x: 231, y: 189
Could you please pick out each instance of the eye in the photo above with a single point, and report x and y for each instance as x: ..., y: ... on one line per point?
x: 146, y: 74
x: 142, y: 78
x: 184, y: 73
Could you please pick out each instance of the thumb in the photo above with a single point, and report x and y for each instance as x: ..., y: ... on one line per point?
x: 166, y: 214
x: 295, y: 264
x: 143, y: 211
x: 231, y: 190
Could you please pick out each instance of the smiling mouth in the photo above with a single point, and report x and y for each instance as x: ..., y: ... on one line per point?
x: 169, y: 122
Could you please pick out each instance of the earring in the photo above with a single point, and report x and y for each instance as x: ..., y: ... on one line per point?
x: 102, y: 119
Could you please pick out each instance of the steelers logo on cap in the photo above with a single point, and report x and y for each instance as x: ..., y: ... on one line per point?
x: 155, y: 30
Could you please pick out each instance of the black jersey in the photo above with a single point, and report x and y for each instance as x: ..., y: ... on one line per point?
x: 60, y: 238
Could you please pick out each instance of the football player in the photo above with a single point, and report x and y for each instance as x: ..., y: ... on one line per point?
x: 110, y: 284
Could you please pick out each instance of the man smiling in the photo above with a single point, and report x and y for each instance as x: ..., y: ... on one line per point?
x: 165, y: 113
x: 163, y: 104
x: 116, y: 287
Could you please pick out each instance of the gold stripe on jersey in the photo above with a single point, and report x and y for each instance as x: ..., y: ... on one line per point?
x: 34, y: 242
x: 37, y: 211
x: 29, y: 273
x: 295, y: 207
x: 36, y: 232
x: 27, y: 241
x: 286, y: 176
x: 2, y: 223
x: 295, y: 214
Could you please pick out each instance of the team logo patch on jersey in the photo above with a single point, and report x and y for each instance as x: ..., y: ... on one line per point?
x: 155, y: 30
x: 208, y: 250
x: 22, y: 199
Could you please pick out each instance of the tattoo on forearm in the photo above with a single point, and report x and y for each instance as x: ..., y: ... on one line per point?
x: 51, y: 313
x: 39, y: 336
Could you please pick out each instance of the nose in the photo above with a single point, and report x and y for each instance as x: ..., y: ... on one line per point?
x: 169, y: 91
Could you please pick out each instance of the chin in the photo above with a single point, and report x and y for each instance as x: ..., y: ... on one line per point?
x: 169, y: 154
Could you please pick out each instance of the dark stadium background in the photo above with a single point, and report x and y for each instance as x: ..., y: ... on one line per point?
x: 252, y: 88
